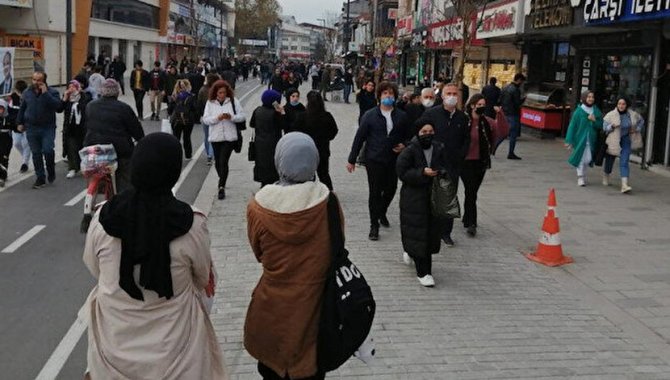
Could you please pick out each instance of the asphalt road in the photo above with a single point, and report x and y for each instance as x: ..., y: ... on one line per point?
x: 44, y: 281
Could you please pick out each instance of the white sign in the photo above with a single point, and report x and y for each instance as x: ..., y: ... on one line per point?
x: 353, y: 47
x: 499, y: 20
x: 17, y: 3
x: 254, y: 42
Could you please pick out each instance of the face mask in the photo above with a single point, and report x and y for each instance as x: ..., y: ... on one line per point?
x: 388, y: 102
x: 428, y: 102
x: 480, y: 110
x: 450, y: 101
x: 295, y: 103
x: 426, y: 141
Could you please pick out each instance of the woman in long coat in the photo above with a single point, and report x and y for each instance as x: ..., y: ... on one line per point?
x: 585, y: 123
x: 268, y: 122
x: 149, y: 253
x: 287, y: 224
x: 417, y: 166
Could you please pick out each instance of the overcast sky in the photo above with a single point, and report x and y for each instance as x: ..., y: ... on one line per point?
x: 310, y: 10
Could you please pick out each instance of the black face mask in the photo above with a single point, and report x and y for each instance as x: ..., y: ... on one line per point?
x: 480, y: 110
x: 426, y: 141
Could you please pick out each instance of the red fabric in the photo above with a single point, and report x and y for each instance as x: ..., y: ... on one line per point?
x: 473, y: 152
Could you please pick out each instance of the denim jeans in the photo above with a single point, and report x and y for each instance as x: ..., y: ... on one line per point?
x: 42, y: 141
x: 624, y: 158
x: 208, y: 145
x: 347, y: 92
x: 514, y: 131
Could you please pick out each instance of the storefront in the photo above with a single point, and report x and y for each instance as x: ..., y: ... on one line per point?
x: 444, y: 40
x: 500, y: 25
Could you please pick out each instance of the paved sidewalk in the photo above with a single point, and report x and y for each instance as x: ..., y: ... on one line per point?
x: 493, y: 314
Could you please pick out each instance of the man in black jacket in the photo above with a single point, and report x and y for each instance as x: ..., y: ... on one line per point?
x: 139, y: 83
x: 491, y: 93
x: 384, y: 130
x: 110, y: 121
x: 415, y: 111
x: 510, y: 100
x: 116, y: 70
x: 453, y: 130
x: 156, y: 90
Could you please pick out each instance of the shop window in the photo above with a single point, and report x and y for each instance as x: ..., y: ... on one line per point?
x: 624, y: 75
x: 131, y: 12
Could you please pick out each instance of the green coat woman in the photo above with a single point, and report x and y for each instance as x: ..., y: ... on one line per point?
x: 583, y: 128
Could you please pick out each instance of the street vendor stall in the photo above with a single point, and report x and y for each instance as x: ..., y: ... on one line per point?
x: 545, y: 110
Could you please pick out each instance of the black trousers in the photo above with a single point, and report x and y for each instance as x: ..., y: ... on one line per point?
x: 139, y: 102
x: 73, y: 144
x: 122, y: 84
x: 424, y: 265
x: 222, y: 152
x: 5, y: 148
x: 177, y: 130
x: 269, y: 374
x: 472, y: 176
x: 324, y: 172
x: 382, y: 185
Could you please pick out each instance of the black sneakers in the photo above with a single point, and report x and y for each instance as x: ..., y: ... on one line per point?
x: 374, y: 233
x: 513, y: 156
x: 448, y: 241
x: 52, y: 177
x: 24, y: 168
x: 39, y: 183
x: 384, y: 222
x: 222, y: 193
x: 472, y: 230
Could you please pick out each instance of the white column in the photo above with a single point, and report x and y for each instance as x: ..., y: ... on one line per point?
x: 96, y: 47
x: 115, y: 47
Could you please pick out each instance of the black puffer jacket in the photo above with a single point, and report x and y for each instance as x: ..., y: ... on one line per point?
x: 321, y: 127
x: 70, y: 127
x: 268, y: 126
x: 419, y: 230
x: 109, y: 121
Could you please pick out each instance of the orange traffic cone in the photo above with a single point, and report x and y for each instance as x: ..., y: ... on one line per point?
x: 549, y: 251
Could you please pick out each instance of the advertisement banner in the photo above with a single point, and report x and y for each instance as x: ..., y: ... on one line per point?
x: 7, y: 72
x: 499, y: 20
x: 30, y: 42
x: 603, y: 12
x: 449, y: 33
x: 17, y: 3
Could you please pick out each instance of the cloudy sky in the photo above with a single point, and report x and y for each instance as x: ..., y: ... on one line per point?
x: 310, y: 10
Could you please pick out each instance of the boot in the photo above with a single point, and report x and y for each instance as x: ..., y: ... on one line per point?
x: 606, y: 179
x: 624, y: 185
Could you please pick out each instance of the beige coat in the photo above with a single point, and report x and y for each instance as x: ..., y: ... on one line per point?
x: 156, y: 338
x: 613, y: 139
x: 288, y: 232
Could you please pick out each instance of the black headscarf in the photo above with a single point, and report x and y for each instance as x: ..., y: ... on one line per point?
x: 148, y: 217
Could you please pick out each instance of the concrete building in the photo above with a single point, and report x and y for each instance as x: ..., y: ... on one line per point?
x: 296, y: 41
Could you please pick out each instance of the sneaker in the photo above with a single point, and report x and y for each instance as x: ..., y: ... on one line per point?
x: 384, y: 222
x: 71, y: 174
x: 39, y: 183
x: 209, y: 161
x: 448, y: 241
x: 428, y: 281
x: 187, y: 158
x: 472, y: 231
x: 606, y: 179
x: 581, y: 181
x: 513, y: 156
x: 51, y: 177
x: 24, y: 168
x: 374, y: 233
x: 222, y: 193
x: 406, y: 258
x: 153, y: 116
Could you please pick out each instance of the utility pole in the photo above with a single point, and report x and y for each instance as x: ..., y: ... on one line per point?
x: 221, y: 31
x: 347, y: 31
x: 68, y: 40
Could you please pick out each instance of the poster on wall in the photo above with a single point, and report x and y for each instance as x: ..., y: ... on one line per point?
x: 7, y: 72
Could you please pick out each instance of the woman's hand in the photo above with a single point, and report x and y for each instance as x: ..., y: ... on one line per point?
x: 224, y: 116
x: 498, y: 109
x: 592, y: 117
x: 428, y: 172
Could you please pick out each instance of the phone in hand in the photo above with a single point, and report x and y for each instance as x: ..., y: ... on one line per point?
x: 275, y: 104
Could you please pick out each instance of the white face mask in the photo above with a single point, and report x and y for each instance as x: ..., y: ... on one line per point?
x: 450, y: 101
x: 428, y: 102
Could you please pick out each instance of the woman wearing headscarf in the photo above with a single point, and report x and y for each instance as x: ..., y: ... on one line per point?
x: 268, y: 122
x: 287, y: 225
x: 74, y: 105
x: 320, y: 125
x: 150, y: 255
x: 293, y: 108
x: 222, y: 111
x: 417, y: 166
x: 620, y: 124
x: 585, y: 123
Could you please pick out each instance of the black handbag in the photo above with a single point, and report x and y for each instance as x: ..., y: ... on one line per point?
x: 251, y: 153
x: 444, y: 198
x: 242, y: 125
x: 601, y: 149
x: 348, y: 307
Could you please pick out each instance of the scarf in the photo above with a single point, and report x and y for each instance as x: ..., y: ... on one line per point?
x: 148, y: 217
x: 587, y: 109
x: 75, y: 114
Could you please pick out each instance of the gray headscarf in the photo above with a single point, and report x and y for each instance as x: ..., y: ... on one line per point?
x: 296, y: 159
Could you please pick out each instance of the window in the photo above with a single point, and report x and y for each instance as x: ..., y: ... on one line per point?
x: 294, y: 48
x: 131, y: 12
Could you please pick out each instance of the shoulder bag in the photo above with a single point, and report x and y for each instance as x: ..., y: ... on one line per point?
x: 242, y: 125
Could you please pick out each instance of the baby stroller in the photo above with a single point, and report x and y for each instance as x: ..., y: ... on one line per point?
x: 336, y: 88
x: 98, y: 165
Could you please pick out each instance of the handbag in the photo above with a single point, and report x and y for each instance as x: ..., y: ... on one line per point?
x: 444, y: 198
x: 601, y: 149
x: 242, y: 125
x: 636, y: 141
x: 251, y: 152
x: 348, y: 307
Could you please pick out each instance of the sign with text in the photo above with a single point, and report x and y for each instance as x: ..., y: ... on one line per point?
x: 448, y: 34
x: 602, y: 12
x: 29, y: 42
x: 499, y: 20
x: 254, y: 42
x: 550, y: 13
x: 17, y: 3
x: 532, y: 117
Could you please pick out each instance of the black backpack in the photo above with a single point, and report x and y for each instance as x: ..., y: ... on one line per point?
x: 348, y: 307
x: 183, y: 111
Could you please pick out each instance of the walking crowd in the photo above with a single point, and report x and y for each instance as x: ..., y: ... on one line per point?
x: 150, y: 252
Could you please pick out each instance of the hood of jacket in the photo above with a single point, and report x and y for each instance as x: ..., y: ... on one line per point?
x: 289, y: 212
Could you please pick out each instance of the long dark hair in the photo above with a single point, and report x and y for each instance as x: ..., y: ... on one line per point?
x: 470, y: 105
x: 315, y: 104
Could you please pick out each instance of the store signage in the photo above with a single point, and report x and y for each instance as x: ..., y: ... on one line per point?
x: 448, y: 34
x: 551, y: 13
x: 392, y: 14
x: 405, y: 26
x: 29, y: 42
x: 254, y: 42
x: 179, y: 39
x: 611, y: 11
x: 17, y: 3
x: 499, y: 20
x: 532, y: 118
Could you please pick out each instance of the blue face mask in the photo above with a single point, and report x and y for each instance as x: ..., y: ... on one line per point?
x: 389, y: 102
x: 295, y: 103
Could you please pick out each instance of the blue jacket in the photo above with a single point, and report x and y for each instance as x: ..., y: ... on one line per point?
x: 39, y: 111
x: 379, y: 144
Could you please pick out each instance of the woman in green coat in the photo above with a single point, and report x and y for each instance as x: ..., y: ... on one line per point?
x: 585, y: 123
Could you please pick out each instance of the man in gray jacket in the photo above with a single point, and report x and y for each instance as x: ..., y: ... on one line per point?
x: 37, y: 116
